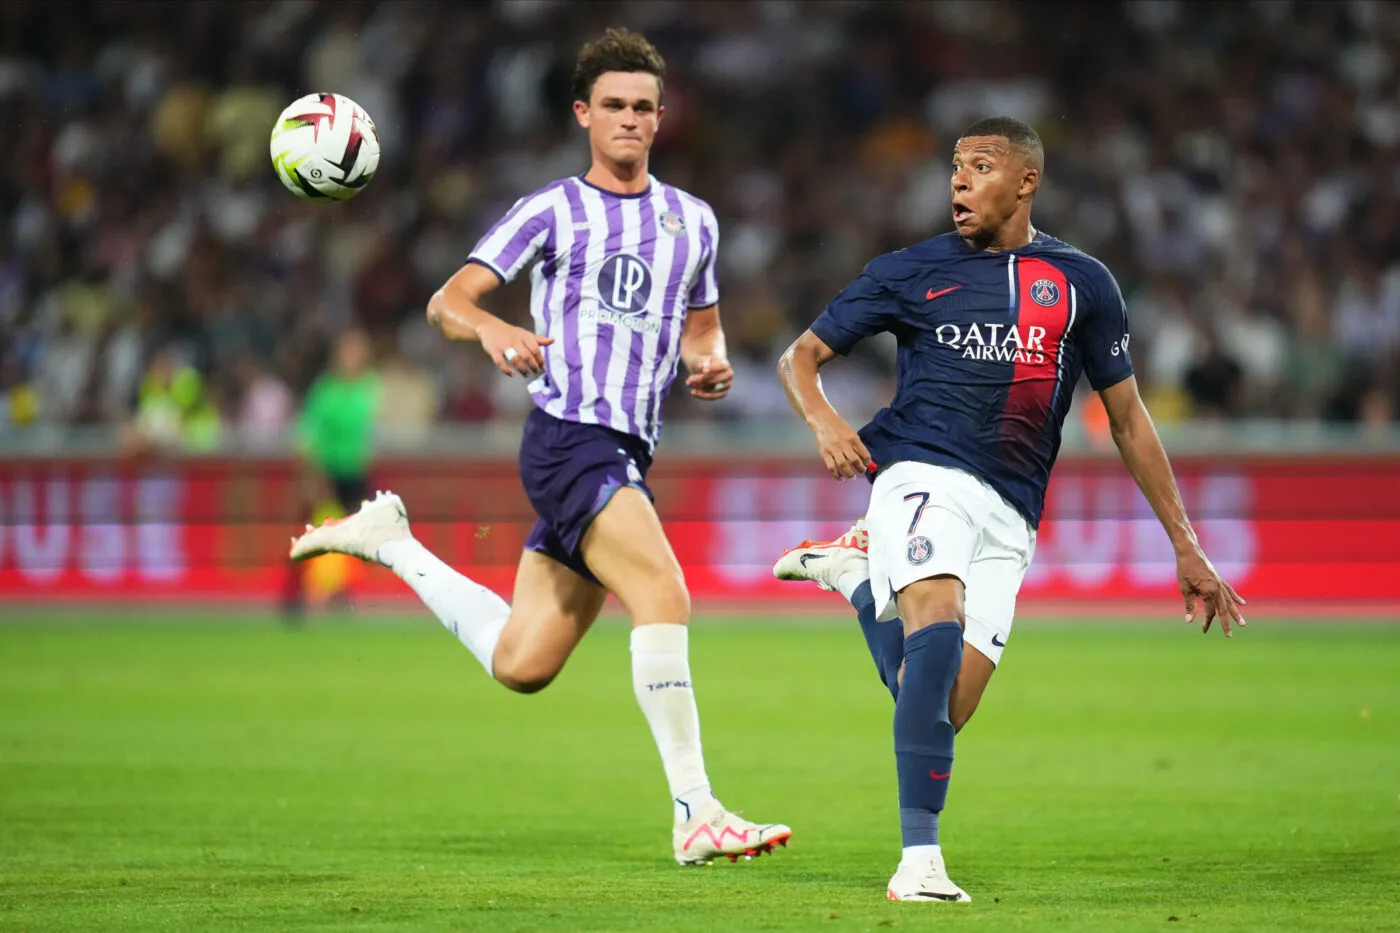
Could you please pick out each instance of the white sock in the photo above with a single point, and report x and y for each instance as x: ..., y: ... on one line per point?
x: 469, y: 610
x: 661, y: 679
x: 918, y: 855
x: 849, y: 581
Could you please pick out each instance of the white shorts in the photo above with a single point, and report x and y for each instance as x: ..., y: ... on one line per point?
x: 926, y: 521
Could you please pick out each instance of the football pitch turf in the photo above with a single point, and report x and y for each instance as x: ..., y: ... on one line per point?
x: 212, y: 773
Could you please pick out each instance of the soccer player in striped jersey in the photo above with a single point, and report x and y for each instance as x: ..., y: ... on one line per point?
x: 623, y: 291
x: 995, y: 323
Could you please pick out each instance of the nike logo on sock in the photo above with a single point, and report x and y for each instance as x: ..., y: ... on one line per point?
x: 938, y: 777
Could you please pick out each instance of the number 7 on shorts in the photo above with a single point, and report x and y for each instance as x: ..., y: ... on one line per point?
x: 923, y: 498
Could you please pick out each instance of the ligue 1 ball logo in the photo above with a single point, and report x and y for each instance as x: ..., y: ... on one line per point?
x: 919, y: 550
x: 1045, y: 292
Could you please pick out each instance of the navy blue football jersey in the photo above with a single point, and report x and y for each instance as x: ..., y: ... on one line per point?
x: 991, y: 345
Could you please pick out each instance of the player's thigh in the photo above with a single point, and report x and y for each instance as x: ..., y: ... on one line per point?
x: 923, y: 539
x: 627, y: 550
x: 551, y: 610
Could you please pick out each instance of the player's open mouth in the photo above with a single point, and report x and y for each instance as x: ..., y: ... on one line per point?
x: 960, y: 213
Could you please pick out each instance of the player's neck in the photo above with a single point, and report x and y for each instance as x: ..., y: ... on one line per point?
x: 1014, y: 234
x: 619, y: 179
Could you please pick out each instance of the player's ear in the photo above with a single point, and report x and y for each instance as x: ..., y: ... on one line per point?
x: 582, y: 115
x: 1030, y: 183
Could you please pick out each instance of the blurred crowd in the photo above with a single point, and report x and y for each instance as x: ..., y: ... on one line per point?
x: 1237, y: 166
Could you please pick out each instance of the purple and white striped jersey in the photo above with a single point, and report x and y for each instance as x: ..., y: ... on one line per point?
x: 613, y: 277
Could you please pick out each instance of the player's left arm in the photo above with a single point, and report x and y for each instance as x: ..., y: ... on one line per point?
x: 1110, y: 372
x: 703, y: 349
x: 705, y: 356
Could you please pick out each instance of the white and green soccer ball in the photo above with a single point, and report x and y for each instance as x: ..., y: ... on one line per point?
x: 325, y: 148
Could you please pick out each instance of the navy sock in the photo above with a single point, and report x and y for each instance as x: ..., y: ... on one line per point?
x: 918, y: 827
x: 884, y: 639
x: 923, y: 733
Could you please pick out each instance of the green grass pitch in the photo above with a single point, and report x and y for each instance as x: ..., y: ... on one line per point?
x: 218, y: 773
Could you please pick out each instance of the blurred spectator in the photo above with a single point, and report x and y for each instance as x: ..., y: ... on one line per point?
x: 19, y: 402
x: 1214, y: 381
x: 175, y: 408
x: 1234, y: 164
x: 268, y: 405
x: 408, y: 400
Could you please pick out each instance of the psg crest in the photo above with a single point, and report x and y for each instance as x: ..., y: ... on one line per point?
x: 1045, y: 292
x: 920, y: 549
x: 673, y: 223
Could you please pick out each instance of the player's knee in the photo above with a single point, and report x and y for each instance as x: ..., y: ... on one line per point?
x: 525, y: 684
x: 523, y: 671
x: 959, y: 716
x: 927, y: 602
x: 660, y: 598
x: 524, y: 678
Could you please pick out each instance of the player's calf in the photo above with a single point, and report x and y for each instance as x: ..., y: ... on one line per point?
x: 923, y: 731
x: 379, y: 532
x: 974, y: 674
x: 843, y: 565
x: 627, y: 550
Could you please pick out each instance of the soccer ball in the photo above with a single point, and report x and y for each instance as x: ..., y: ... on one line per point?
x: 325, y: 148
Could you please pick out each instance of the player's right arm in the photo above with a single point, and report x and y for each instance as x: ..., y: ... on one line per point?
x: 861, y: 309
x: 841, y: 448
x: 455, y: 310
x: 512, y: 244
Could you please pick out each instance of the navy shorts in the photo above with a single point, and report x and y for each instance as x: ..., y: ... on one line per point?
x: 570, y: 471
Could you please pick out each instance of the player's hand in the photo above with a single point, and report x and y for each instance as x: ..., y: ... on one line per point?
x: 514, y: 349
x: 842, y: 450
x: 710, y: 378
x: 1200, y: 581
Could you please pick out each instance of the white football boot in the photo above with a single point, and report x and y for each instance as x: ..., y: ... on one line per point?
x: 924, y: 880
x: 701, y: 840
x: 825, y: 562
x: 378, y: 521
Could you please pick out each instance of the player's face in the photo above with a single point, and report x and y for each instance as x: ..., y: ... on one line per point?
x: 989, y: 180
x: 622, y: 116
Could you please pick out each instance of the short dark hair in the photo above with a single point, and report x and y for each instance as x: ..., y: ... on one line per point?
x: 1020, y: 135
x: 616, y: 50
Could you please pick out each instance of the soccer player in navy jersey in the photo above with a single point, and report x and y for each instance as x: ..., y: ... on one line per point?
x: 995, y: 322
x: 623, y: 291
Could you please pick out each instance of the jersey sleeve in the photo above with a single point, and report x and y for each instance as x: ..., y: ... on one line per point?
x: 864, y: 308
x: 705, y: 292
x: 517, y: 238
x: 1106, y: 360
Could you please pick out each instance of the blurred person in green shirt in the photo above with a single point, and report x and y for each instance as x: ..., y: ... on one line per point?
x: 175, y: 409
x: 335, y: 438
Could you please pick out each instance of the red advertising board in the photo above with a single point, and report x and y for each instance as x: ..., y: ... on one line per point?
x: 1316, y: 529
